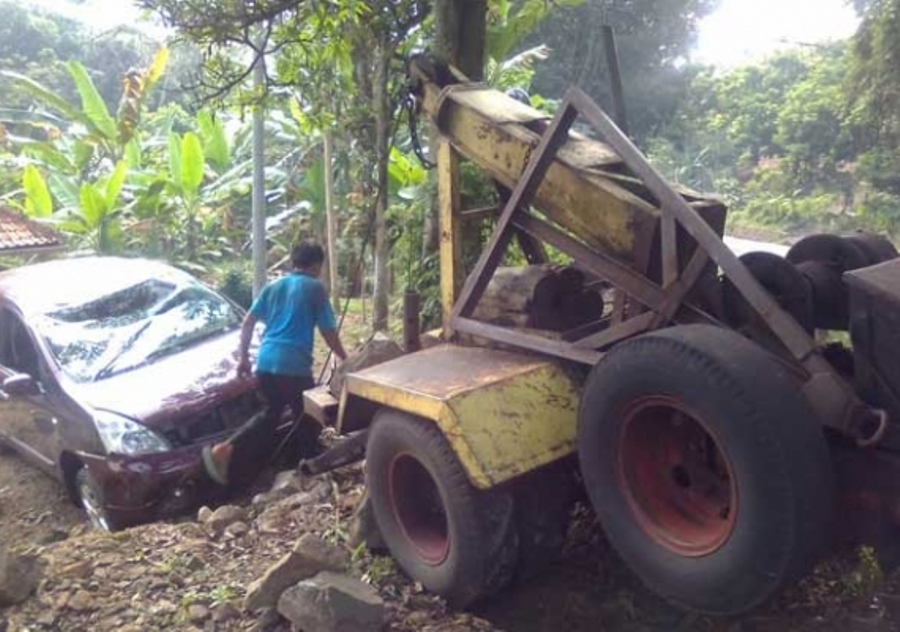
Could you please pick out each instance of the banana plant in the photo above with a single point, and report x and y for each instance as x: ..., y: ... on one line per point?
x: 93, y: 211
x: 94, y: 131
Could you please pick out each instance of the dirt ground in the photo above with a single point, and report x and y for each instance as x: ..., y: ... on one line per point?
x: 34, y: 508
x: 588, y: 590
x: 156, y: 571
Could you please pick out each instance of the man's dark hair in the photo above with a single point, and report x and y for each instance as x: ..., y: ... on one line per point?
x: 306, y: 254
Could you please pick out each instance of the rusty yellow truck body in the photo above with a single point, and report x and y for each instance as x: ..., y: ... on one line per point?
x: 504, y: 413
x: 691, y: 393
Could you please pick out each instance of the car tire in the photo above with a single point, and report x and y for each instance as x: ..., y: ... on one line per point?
x: 459, y: 542
x: 709, y: 473
x: 6, y: 448
x: 91, y: 500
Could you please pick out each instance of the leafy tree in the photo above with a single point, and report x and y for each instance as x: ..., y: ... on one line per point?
x: 653, y: 40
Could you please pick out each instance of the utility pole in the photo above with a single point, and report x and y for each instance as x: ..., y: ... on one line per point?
x: 331, y: 220
x: 259, y: 172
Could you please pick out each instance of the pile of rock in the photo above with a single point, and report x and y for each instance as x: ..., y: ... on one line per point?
x: 308, y: 585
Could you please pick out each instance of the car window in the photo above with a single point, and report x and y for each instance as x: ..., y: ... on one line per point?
x: 134, y: 326
x: 17, y: 349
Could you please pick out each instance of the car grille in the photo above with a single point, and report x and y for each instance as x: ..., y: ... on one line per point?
x: 223, y: 419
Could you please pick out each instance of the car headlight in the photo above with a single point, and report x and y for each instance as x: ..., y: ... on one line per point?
x: 121, y: 435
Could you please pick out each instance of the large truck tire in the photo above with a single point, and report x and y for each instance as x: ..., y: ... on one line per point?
x: 706, y: 467
x: 459, y: 542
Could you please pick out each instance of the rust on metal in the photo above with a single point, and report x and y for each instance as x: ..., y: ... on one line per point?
x: 504, y: 413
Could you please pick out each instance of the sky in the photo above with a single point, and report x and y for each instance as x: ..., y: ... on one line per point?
x: 739, y: 31
x: 743, y: 30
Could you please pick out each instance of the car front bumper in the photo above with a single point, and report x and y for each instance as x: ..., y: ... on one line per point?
x: 137, y: 489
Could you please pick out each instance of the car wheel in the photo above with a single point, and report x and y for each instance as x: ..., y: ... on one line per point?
x: 457, y: 541
x: 706, y: 468
x: 90, y: 496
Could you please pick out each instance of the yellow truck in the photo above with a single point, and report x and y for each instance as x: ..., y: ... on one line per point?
x: 692, y: 402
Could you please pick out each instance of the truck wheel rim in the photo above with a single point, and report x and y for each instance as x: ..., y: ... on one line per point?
x: 419, y: 509
x: 676, y: 478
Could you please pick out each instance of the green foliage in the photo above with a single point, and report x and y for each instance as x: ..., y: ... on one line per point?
x: 653, y: 39
x: 236, y: 282
x: 38, y: 202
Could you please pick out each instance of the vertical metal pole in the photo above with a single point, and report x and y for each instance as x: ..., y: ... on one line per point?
x: 450, y: 235
x: 615, y: 77
x: 259, y: 176
x: 411, y: 311
x: 615, y: 83
x: 331, y: 220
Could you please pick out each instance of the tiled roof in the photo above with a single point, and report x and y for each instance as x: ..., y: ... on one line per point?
x: 18, y: 232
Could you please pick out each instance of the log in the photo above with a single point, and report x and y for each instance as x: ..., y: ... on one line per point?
x: 507, y: 298
x: 539, y: 297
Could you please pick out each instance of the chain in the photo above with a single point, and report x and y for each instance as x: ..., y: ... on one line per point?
x: 409, y: 103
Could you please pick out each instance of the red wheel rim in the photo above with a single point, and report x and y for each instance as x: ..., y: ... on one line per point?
x: 419, y: 508
x: 676, y: 477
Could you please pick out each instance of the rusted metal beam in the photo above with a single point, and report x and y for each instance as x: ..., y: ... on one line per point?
x: 678, y: 290
x: 831, y: 397
x: 519, y: 198
x: 450, y: 238
x: 786, y: 328
x: 625, y: 329
x: 597, y: 263
x: 557, y: 348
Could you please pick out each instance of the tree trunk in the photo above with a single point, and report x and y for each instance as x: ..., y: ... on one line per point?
x: 382, y: 145
x: 460, y: 29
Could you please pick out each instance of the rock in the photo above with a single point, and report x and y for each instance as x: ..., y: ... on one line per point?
x: 225, y: 612
x: 204, y: 514
x: 330, y: 602
x: 224, y: 516
x: 54, y: 535
x: 310, y: 555
x: 288, y: 481
x: 267, y: 620
x: 197, y: 613
x: 81, y: 569
x: 380, y: 348
x: 272, y: 521
x: 363, y: 527
x: 237, y: 529
x: 20, y: 574
x: 81, y: 601
x: 267, y: 498
x: 295, y: 501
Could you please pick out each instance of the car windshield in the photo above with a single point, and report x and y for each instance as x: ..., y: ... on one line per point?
x: 134, y: 326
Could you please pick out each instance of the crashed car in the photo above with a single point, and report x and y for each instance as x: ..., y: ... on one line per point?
x: 114, y: 373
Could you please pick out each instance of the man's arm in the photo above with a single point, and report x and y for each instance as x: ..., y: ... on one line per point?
x: 334, y: 342
x: 247, y: 326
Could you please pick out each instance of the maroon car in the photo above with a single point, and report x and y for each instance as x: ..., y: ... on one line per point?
x: 115, y: 372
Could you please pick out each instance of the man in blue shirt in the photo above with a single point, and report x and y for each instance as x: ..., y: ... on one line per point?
x: 291, y: 308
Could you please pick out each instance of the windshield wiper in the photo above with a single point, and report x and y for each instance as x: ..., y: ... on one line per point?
x: 128, y: 344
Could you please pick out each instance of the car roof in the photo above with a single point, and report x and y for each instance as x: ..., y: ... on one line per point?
x: 42, y: 287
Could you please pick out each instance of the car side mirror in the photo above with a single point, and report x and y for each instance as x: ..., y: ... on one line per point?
x: 21, y: 385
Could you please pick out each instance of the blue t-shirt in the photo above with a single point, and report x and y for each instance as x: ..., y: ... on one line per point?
x: 291, y: 308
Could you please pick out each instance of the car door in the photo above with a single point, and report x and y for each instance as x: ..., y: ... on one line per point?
x: 27, y: 420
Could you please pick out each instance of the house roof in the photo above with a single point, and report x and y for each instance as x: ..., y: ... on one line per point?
x: 19, y: 234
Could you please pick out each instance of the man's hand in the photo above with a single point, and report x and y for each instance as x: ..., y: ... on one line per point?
x: 244, y: 369
x: 334, y: 343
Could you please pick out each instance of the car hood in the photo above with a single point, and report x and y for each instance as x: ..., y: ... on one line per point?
x: 192, y: 379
